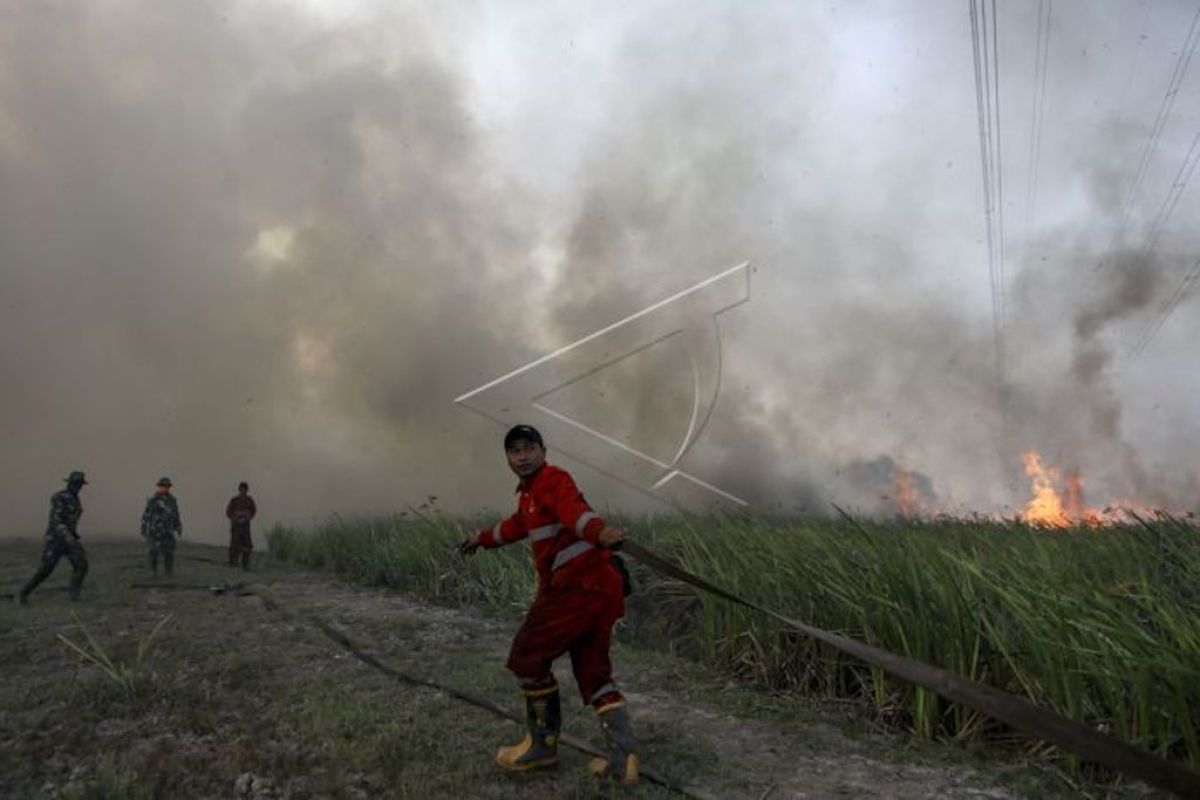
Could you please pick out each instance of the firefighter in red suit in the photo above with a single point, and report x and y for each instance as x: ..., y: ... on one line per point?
x: 580, y: 596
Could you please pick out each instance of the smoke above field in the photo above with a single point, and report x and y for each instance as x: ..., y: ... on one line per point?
x: 273, y: 241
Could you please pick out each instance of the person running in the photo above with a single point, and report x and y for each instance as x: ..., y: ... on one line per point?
x: 62, y: 539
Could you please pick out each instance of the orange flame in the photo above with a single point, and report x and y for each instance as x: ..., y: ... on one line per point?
x: 1048, y: 507
x: 904, y: 492
x: 1077, y: 509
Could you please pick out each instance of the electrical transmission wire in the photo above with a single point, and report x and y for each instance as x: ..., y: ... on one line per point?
x: 1160, y: 120
x: 987, y: 97
x: 1178, y: 185
x: 1184, y: 174
x: 1123, y: 105
x: 1045, y: 9
x: 999, y: 174
x: 1174, y: 301
x: 1137, y: 57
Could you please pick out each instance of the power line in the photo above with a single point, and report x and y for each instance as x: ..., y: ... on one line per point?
x: 987, y: 69
x: 1160, y: 120
x: 1123, y: 106
x: 1178, y: 185
x: 1137, y: 56
x: 999, y: 173
x: 1045, y: 9
x: 1176, y: 299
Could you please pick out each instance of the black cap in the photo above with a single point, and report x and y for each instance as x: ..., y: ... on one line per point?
x: 527, y: 432
x: 243, y: 485
x: 75, y: 477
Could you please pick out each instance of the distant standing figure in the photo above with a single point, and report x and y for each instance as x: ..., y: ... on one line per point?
x: 241, y: 510
x: 62, y: 539
x: 161, y: 526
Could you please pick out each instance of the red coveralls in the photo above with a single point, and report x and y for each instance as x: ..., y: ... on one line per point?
x: 580, y: 593
x: 240, y: 510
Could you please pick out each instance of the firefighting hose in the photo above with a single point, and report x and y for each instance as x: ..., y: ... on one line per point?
x: 1018, y: 712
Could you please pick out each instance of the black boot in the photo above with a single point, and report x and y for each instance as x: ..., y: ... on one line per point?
x: 539, y: 748
x: 169, y: 562
x: 23, y: 595
x: 154, y: 562
x: 622, y: 762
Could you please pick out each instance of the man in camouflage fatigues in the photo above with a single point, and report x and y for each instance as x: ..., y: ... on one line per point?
x: 161, y: 526
x: 62, y: 539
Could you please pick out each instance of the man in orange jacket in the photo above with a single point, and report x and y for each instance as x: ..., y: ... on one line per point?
x: 580, y: 597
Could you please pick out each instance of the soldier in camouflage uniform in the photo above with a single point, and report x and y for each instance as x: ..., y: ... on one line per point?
x: 62, y: 539
x: 161, y: 526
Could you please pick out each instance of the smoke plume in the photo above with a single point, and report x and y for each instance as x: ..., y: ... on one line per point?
x: 272, y: 242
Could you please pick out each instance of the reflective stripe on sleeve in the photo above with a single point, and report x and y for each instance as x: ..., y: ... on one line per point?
x: 544, y: 532
x: 583, y: 520
x: 567, y: 553
x: 496, y: 533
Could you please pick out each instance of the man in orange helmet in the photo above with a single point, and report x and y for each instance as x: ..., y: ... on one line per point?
x: 580, y: 596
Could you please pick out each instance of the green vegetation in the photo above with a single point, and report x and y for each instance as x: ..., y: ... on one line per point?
x: 1102, y: 625
x: 126, y: 676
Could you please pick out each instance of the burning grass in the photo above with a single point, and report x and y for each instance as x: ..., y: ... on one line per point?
x: 1100, y: 624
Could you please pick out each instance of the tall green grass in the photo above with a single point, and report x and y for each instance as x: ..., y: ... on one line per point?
x: 1102, y: 625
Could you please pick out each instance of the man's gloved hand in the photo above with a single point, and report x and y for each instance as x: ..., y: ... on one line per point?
x: 468, y: 546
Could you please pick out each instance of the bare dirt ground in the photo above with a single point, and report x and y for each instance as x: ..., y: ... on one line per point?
x: 230, y: 699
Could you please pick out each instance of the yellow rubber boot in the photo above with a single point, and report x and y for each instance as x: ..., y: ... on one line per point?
x: 622, y: 762
x: 539, y: 748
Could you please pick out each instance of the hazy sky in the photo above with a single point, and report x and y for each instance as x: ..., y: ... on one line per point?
x: 274, y: 241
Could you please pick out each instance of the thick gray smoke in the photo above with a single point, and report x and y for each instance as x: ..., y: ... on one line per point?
x: 272, y: 242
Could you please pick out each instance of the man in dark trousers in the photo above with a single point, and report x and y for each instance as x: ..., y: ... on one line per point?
x: 62, y: 539
x: 240, y: 511
x: 161, y: 526
x: 580, y: 597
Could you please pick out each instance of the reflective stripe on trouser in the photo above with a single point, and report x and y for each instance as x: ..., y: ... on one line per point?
x: 608, y: 688
x: 575, y: 621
